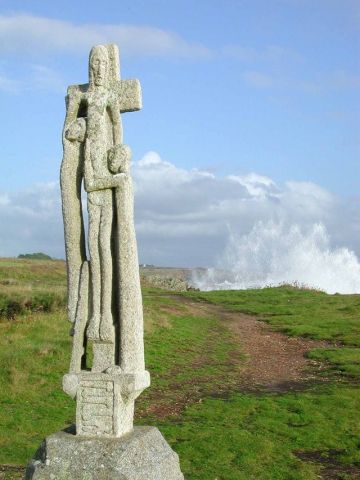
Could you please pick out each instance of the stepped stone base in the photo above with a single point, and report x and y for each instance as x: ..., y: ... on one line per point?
x: 142, y: 454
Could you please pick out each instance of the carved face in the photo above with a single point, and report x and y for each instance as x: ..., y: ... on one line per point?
x: 99, y: 66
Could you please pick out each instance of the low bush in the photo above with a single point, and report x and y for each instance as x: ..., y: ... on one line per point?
x: 13, y: 306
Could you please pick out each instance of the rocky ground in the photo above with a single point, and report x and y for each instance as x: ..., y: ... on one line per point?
x: 172, y: 279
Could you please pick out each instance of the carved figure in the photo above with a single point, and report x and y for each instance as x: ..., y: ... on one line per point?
x: 104, y: 296
x: 100, y: 103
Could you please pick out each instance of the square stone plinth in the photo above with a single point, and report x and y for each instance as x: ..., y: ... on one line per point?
x: 105, y: 401
x: 142, y: 454
x: 96, y: 406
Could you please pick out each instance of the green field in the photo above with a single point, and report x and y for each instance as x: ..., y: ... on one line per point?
x: 220, y: 430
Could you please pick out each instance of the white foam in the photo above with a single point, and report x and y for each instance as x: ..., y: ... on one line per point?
x: 273, y: 254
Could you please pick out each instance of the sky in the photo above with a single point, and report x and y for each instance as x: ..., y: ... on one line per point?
x: 251, y: 113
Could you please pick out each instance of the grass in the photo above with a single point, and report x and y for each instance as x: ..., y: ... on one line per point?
x: 296, y: 311
x: 219, y: 432
x: 32, y: 273
x: 252, y: 437
x: 306, y: 313
x: 31, y: 285
x: 345, y: 361
x: 34, y: 352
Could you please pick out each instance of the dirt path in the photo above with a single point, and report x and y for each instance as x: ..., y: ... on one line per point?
x: 262, y: 361
x: 274, y: 361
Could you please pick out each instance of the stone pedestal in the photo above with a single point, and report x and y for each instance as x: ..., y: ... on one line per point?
x: 105, y: 401
x: 142, y: 454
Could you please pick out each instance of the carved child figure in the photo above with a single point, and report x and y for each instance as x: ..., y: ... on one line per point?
x: 119, y: 158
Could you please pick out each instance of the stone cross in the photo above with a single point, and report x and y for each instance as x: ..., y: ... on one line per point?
x: 104, y: 296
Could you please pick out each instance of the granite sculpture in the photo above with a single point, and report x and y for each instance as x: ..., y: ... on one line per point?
x: 107, y: 369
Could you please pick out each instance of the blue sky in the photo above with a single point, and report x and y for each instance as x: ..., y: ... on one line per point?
x: 230, y: 88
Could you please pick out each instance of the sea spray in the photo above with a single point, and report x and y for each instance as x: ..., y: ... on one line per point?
x: 275, y: 253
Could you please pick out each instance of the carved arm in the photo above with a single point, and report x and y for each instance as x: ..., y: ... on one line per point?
x: 111, y: 181
x: 92, y: 183
x: 73, y: 100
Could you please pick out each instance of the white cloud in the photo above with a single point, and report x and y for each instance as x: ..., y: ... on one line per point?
x: 30, y: 221
x: 25, y: 33
x: 35, y: 77
x: 255, y: 184
x: 184, y: 217
x: 4, y: 199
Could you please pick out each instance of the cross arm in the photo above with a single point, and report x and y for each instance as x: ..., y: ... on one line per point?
x: 129, y: 95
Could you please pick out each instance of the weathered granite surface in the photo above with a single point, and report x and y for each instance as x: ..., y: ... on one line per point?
x: 105, y: 401
x: 141, y: 455
x: 104, y: 295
